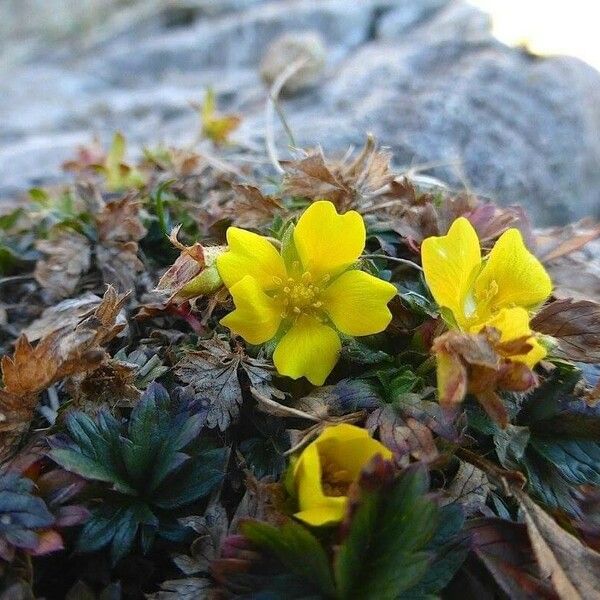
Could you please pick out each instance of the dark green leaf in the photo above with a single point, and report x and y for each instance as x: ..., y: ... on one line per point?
x: 195, y: 479
x: 384, y: 554
x: 296, y: 548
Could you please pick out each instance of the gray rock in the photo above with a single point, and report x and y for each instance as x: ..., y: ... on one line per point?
x: 425, y: 76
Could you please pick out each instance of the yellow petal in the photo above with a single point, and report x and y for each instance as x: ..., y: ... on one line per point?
x: 309, y: 349
x: 330, y: 512
x: 512, y: 276
x: 350, y: 447
x: 513, y: 323
x: 307, y: 477
x: 250, y: 254
x: 357, y: 303
x: 328, y: 242
x: 450, y: 262
x: 256, y: 316
x: 316, y: 509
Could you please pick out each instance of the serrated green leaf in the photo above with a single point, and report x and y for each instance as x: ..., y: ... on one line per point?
x: 578, y: 461
x: 449, y: 549
x: 384, y: 554
x: 196, y: 479
x: 90, y: 469
x: 362, y: 353
x: 125, y: 530
x: 297, y: 549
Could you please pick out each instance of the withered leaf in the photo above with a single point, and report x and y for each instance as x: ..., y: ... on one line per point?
x: 212, y: 528
x: 561, y: 241
x: 111, y: 383
x: 344, y: 182
x: 572, y: 568
x: 406, y: 438
x: 191, y: 588
x: 576, y: 326
x: 65, y: 314
x: 119, y: 230
x: 216, y: 373
x: 503, y: 547
x: 251, y: 209
x: 59, y: 354
x: 470, y: 487
x: 67, y: 256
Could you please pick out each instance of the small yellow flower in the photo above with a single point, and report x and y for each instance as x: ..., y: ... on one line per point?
x: 326, y: 468
x: 309, y: 297
x: 498, y: 291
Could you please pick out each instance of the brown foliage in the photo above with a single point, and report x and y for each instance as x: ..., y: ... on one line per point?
x: 119, y: 231
x: 58, y: 355
x: 67, y: 258
x: 576, y: 327
x: 480, y: 364
x: 345, y: 182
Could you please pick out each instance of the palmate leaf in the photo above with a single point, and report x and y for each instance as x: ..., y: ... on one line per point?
x: 564, y: 448
x: 385, y: 553
x: 217, y: 374
x: 555, y: 440
x: 151, y: 464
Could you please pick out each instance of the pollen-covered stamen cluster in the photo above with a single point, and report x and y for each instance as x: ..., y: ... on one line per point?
x: 300, y: 294
x: 335, y: 480
x: 483, y: 300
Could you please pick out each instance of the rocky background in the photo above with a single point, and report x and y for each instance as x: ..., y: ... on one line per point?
x: 425, y: 76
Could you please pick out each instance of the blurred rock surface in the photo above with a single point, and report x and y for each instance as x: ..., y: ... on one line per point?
x: 425, y: 76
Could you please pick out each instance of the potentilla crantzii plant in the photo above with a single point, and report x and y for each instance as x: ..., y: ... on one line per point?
x: 338, y: 384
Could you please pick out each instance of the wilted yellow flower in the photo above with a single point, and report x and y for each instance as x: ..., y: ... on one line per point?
x: 325, y: 469
x: 498, y: 291
x: 216, y: 127
x: 305, y: 298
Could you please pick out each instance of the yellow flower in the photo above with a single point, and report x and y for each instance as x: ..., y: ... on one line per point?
x: 498, y: 291
x: 309, y: 297
x: 326, y: 468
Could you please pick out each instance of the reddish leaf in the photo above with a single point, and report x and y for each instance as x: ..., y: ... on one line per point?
x: 576, y: 326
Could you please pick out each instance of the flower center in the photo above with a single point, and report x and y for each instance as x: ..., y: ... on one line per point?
x: 300, y: 294
x: 334, y: 479
x: 478, y: 305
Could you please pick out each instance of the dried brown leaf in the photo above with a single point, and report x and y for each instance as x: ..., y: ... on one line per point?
x: 217, y: 374
x: 60, y: 354
x: 503, y: 547
x: 67, y: 256
x: 572, y: 568
x: 65, y: 314
x: 470, y: 487
x: 406, y: 438
x: 119, y: 231
x: 251, y: 209
x: 576, y: 326
x: 111, y: 383
x: 561, y: 241
x: 347, y: 183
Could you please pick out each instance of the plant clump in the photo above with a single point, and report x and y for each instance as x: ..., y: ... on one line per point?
x: 338, y: 382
